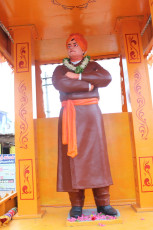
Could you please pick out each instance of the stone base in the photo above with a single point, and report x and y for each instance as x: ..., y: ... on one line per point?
x: 138, y: 209
x: 32, y: 216
x: 93, y: 213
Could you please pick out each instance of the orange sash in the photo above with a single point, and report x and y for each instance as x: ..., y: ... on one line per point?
x: 69, y: 123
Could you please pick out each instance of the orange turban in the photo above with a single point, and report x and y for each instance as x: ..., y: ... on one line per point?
x: 81, y: 41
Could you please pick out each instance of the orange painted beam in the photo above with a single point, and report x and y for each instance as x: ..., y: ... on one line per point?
x: 39, y: 93
x: 151, y: 9
x: 124, y: 101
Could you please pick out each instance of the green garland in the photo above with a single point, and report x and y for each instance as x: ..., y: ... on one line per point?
x: 77, y: 69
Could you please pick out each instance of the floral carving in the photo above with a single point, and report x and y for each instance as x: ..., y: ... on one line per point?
x: 148, y: 177
x: 26, y: 179
x: 146, y: 170
x: 23, y: 138
x: 143, y: 127
x: 23, y: 61
x: 73, y: 4
x: 26, y: 188
x: 22, y: 52
x: 133, y: 48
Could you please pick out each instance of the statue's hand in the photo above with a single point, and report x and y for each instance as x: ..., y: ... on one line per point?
x: 72, y: 75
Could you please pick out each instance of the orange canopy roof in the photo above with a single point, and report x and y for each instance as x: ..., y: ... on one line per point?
x: 54, y: 20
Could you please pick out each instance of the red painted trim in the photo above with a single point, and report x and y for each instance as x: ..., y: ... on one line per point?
x: 19, y: 70
x: 23, y: 113
x: 140, y: 172
x: 20, y: 178
x: 128, y: 48
x: 140, y: 114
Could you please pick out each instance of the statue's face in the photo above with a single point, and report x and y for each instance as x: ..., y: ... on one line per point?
x: 74, y: 50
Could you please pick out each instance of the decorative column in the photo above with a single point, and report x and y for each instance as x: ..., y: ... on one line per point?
x: 124, y: 101
x: 39, y: 92
x: 25, y: 146
x: 150, y: 61
x: 151, y: 9
x: 136, y: 72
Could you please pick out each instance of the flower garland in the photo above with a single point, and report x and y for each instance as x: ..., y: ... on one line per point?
x: 77, y: 69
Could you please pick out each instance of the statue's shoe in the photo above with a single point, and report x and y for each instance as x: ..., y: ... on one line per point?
x: 76, y: 211
x: 107, y: 210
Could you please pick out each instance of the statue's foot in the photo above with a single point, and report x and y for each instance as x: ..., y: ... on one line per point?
x: 76, y: 211
x: 107, y: 210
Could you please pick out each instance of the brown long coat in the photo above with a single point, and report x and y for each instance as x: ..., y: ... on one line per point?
x: 90, y: 168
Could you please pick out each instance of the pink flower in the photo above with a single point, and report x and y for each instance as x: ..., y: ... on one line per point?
x: 93, y: 218
x: 102, y: 225
x: 81, y: 218
x: 72, y: 219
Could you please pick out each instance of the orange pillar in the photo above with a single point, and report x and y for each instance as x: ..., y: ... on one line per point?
x: 135, y: 71
x: 124, y: 101
x: 151, y: 9
x: 39, y: 93
x: 25, y: 146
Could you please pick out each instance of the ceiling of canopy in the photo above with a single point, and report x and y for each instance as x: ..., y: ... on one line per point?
x: 54, y: 20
